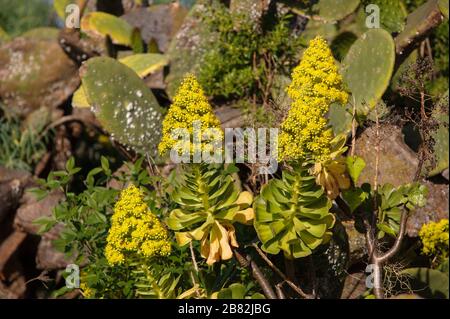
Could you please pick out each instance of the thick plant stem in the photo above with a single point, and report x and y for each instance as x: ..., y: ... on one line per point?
x: 378, y: 260
x: 279, y: 290
x: 378, y: 290
x: 282, y: 275
x: 257, y: 274
x: 377, y: 268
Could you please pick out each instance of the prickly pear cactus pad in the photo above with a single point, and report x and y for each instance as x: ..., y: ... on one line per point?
x: 104, y: 24
x: 417, y: 21
x: 188, y: 48
x: 334, y: 10
x: 392, y: 13
x: 122, y: 103
x: 367, y: 68
x: 143, y: 64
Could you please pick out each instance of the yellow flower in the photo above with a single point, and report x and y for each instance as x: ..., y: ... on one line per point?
x: 434, y: 238
x: 135, y: 231
x: 86, y: 291
x: 189, y: 105
x: 316, y: 83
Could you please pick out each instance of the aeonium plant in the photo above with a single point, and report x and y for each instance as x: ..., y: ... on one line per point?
x: 293, y: 213
x: 208, y: 200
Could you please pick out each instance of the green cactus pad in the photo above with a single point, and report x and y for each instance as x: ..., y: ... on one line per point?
x: 340, y: 118
x: 443, y: 5
x: 416, y: 23
x: 60, y: 7
x: 142, y: 64
x: 342, y: 43
x: 326, y: 30
x: 42, y: 33
x: 367, y: 68
x: 188, y: 49
x: 100, y: 24
x: 123, y: 104
x: 3, y: 36
x: 404, y: 66
x: 392, y: 14
x: 441, y: 137
x: 335, y: 10
x: 429, y: 283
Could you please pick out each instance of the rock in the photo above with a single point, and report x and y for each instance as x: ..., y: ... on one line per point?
x: 356, y: 242
x: 435, y: 209
x: 12, y: 281
x: 80, y: 48
x: 114, y: 183
x: 354, y: 286
x: 189, y: 46
x: 35, y: 73
x: 9, y: 246
x: 445, y: 173
x: 48, y: 257
x: 31, y: 209
x: 406, y: 296
x: 330, y: 264
x: 157, y: 23
x: 38, y: 119
x: 229, y: 117
x: 397, y: 162
x: 12, y: 183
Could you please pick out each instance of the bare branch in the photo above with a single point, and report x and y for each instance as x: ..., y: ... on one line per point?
x: 257, y: 274
x: 281, y: 274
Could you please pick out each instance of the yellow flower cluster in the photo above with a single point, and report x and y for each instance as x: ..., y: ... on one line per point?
x: 189, y: 105
x: 86, y: 291
x: 316, y: 83
x: 135, y: 231
x: 434, y: 238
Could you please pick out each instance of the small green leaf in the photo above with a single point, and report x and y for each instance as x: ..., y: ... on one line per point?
x: 386, y: 228
x: 105, y: 163
x: 70, y: 164
x: 45, y: 223
x: 354, y: 197
x: 39, y: 193
x: 355, y: 165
